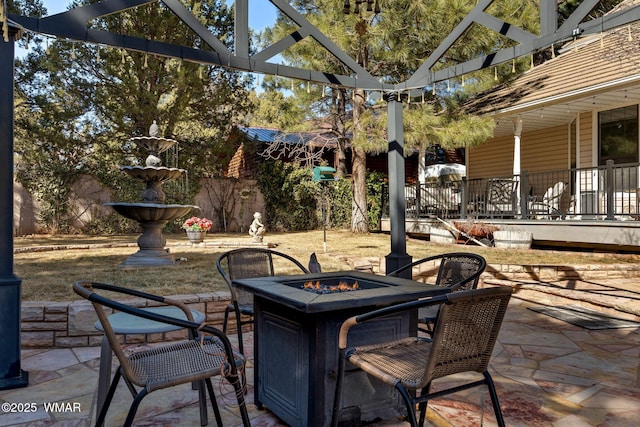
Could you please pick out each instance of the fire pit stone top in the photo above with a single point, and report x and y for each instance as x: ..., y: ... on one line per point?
x: 371, y: 290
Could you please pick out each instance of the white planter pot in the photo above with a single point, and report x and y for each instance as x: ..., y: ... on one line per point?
x: 512, y: 239
x: 196, y: 236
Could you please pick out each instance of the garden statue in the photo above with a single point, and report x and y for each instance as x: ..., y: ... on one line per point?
x: 154, y: 129
x: 257, y: 229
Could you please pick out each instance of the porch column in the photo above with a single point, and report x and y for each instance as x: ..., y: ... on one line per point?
x: 517, y: 132
x: 397, y: 204
x: 11, y: 376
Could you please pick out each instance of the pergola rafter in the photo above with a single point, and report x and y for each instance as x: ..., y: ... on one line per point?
x: 74, y: 25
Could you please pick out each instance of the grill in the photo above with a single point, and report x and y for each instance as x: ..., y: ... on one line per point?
x: 295, y: 343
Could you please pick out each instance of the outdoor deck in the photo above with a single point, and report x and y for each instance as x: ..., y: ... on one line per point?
x: 590, y: 208
x: 590, y: 235
x: 547, y: 373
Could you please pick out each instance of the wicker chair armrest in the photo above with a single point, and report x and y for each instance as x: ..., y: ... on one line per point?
x: 86, y: 290
x: 222, y: 271
x: 182, y: 306
x: 89, y: 286
x: 427, y: 259
x: 86, y: 286
x: 386, y: 311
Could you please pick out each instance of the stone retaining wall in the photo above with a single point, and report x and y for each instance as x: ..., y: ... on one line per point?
x: 71, y: 324
x: 549, y: 273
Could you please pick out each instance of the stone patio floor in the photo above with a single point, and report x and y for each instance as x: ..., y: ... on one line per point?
x: 547, y: 373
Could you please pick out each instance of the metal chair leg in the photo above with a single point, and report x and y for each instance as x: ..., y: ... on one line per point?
x: 423, y: 405
x: 107, y: 400
x: 239, y: 326
x: 338, y: 395
x: 494, y: 398
x: 134, y: 407
x: 226, y: 319
x: 408, y: 401
x: 214, y: 403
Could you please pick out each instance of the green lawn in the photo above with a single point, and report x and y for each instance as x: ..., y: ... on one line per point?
x: 53, y: 263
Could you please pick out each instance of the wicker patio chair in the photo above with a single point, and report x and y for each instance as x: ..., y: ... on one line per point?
x: 457, y: 271
x: 246, y: 263
x: 463, y: 341
x: 192, y: 361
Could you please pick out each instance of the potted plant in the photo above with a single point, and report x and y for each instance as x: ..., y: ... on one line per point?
x: 197, y: 228
x: 477, y: 229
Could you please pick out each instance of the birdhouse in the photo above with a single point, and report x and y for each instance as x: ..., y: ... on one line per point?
x: 323, y: 173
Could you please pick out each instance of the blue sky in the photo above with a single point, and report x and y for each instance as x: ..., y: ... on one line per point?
x: 261, y: 12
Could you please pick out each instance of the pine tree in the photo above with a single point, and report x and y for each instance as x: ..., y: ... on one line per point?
x: 82, y: 102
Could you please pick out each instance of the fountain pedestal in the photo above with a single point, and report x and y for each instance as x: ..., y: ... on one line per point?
x: 152, y: 217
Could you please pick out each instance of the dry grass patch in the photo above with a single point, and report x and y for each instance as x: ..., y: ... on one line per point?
x: 49, y: 274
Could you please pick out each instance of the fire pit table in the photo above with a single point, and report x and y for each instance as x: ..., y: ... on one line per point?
x: 297, y: 319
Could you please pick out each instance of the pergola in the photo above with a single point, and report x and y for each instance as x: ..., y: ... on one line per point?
x: 73, y: 25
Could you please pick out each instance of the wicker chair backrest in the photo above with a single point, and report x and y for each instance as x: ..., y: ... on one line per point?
x: 466, y: 332
x: 245, y: 265
x: 455, y: 268
x: 248, y: 263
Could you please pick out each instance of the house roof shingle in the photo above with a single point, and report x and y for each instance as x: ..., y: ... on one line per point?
x: 587, y: 67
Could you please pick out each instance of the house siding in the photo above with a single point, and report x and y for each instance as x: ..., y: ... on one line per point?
x: 491, y: 159
x: 542, y: 150
x: 585, y: 136
x: 545, y: 150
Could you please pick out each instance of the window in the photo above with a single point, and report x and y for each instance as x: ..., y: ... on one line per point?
x: 618, y: 141
x: 618, y: 135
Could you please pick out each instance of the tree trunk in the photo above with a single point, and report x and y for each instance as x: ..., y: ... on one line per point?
x: 359, y: 216
x: 341, y: 163
x: 359, y: 220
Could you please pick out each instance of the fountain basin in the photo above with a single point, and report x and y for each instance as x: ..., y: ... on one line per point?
x: 151, y: 212
x: 153, y: 144
x: 151, y: 173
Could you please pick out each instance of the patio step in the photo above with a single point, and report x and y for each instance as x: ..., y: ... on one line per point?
x: 613, y: 297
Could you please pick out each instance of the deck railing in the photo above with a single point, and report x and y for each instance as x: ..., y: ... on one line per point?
x: 608, y: 192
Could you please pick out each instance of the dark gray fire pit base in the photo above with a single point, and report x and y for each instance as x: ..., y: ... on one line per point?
x: 295, y: 341
x: 297, y: 358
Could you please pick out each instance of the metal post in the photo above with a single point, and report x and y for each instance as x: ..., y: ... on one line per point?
x: 241, y: 31
x: 609, y: 187
x: 397, y: 204
x: 464, y: 198
x: 524, y: 195
x: 11, y: 376
x: 324, y: 216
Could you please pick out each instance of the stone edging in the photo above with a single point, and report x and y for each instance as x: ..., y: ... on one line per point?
x: 540, y: 272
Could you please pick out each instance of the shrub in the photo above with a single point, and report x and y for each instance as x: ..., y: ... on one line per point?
x: 291, y: 197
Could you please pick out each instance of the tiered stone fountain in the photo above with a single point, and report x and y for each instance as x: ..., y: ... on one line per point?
x: 151, y: 213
